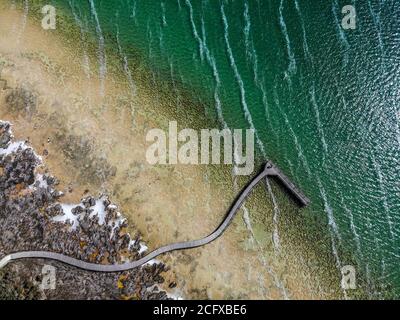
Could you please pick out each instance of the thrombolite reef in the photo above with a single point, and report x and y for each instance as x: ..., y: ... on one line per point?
x: 32, y: 217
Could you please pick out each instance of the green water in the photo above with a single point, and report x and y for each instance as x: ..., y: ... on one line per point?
x: 323, y: 100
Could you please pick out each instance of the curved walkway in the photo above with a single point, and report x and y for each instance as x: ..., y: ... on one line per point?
x: 269, y: 170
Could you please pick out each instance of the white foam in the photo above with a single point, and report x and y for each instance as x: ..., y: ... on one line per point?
x: 384, y: 196
x: 292, y: 61
x: 239, y: 80
x: 143, y: 247
x: 275, y: 219
x: 319, y: 124
x: 18, y: 145
x: 164, y: 19
x: 85, y: 59
x: 13, y: 147
x: 203, y: 49
x: 68, y: 215
x: 174, y: 296
x: 97, y: 210
x: 24, y: 21
x: 102, y: 55
x: 250, y: 49
x: 342, y: 36
x: 151, y: 262
x: 115, y: 223
x: 279, y: 284
x: 296, y: 140
x: 133, y: 15
x: 305, y: 44
x: 194, y: 30
x: 127, y: 70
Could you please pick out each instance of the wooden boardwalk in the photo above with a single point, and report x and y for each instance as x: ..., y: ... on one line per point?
x: 269, y: 170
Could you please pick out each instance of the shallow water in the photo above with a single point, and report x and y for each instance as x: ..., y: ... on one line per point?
x: 321, y: 99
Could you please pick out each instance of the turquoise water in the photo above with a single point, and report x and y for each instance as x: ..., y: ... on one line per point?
x: 323, y: 100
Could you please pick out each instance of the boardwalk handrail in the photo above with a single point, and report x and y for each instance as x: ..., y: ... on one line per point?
x: 269, y: 170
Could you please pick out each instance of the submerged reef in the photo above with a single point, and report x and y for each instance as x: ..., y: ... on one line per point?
x: 32, y: 217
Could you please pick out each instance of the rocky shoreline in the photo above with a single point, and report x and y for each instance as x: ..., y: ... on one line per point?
x: 32, y: 217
